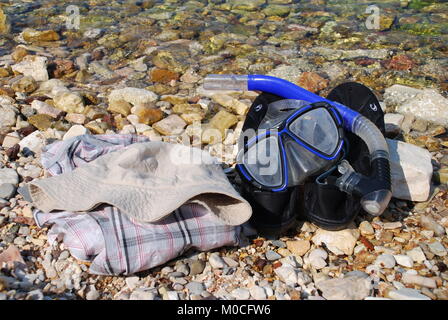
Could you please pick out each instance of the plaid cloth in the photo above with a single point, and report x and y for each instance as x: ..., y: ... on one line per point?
x: 114, y: 243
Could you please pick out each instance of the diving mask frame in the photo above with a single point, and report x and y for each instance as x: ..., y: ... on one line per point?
x: 299, y: 141
x: 374, y: 190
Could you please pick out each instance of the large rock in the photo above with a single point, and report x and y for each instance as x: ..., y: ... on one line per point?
x: 399, y: 94
x: 339, y: 242
x: 350, y: 288
x: 34, y: 66
x: 428, y: 105
x: 411, y: 171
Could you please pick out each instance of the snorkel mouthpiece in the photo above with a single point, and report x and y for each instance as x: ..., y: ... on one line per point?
x: 375, y: 191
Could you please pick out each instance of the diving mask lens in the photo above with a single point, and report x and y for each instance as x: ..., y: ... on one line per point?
x: 263, y: 161
x: 317, y: 129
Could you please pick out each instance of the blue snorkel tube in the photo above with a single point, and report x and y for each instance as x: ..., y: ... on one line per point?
x: 375, y: 191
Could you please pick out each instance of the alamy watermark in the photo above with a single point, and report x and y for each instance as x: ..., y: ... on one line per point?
x: 373, y: 20
x: 73, y: 18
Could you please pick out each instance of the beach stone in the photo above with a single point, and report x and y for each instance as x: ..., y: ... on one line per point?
x: 33, y: 142
x: 337, y: 54
x: 339, y: 242
x: 120, y: 107
x: 44, y: 108
x: 143, y: 294
x: 258, y: 293
x: 215, y: 130
x: 232, y: 104
x: 298, y: 247
x: 25, y: 84
x: 74, y: 131
x: 317, y: 258
x: 418, y: 280
x: 392, y: 225
x: 33, y: 66
x: 366, y: 228
x: 134, y: 96
x: 420, y: 125
x: 277, y: 10
x: 248, y: 5
x: 77, y: 118
x: 131, y: 282
x: 216, y: 261
x: 171, y: 125
x: 429, y: 223
x: 7, y: 190
x: 312, y: 82
x: 170, y: 295
x: 398, y: 94
x: 404, y: 260
x: 195, y: 287
x: 41, y: 121
x: 437, y: 248
x: 196, y: 267
x: 148, y: 115
x: 10, y: 140
x: 272, y: 255
x: 5, y: 26
x: 230, y: 262
x: 406, y: 294
x: 416, y: 254
x: 52, y: 88
x: 287, y: 274
x: 31, y: 35
x: 69, y: 102
x: 9, y: 176
x: 411, y: 171
x: 163, y: 76
x: 385, y: 261
x: 7, y: 115
x: 351, y: 288
x: 241, y: 294
x: 393, y: 122
x: 428, y: 105
x: 92, y: 294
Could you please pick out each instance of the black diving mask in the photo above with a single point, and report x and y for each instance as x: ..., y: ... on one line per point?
x: 288, y: 141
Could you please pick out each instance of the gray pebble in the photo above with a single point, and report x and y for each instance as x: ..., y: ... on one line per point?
x: 7, y: 190
x: 241, y: 294
x: 20, y: 241
x: 279, y: 244
x: 271, y: 255
x: 92, y: 294
x: 216, y: 261
x: 195, y: 287
x: 64, y: 255
x: 196, y: 267
x: 24, y: 231
x: 35, y: 295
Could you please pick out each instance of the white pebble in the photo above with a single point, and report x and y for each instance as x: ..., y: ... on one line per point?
x: 385, y: 261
